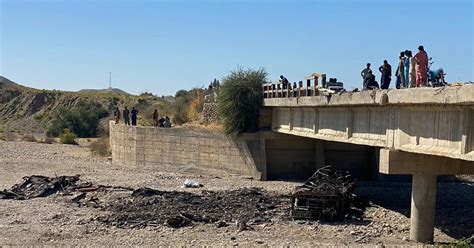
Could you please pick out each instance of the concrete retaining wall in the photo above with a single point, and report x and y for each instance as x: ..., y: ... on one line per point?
x: 182, y: 149
x: 263, y: 155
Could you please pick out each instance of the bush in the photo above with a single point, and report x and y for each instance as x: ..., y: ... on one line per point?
x: 101, y: 147
x: 180, y: 110
x: 82, y: 120
x: 38, y: 116
x: 187, y: 105
x: 8, y: 136
x: 196, y: 105
x: 67, y: 137
x: 467, y: 242
x: 240, y: 99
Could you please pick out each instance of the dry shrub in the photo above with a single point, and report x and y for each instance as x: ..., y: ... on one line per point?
x: 196, y: 105
x: 8, y: 136
x: 101, y: 147
x: 29, y: 138
x: 67, y: 137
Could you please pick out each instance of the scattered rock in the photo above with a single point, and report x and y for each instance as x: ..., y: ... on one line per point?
x: 220, y: 224
x: 258, y: 241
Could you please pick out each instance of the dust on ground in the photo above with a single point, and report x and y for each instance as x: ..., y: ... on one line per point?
x: 259, y: 218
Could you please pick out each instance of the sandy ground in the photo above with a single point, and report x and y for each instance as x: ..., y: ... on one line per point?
x: 53, y: 221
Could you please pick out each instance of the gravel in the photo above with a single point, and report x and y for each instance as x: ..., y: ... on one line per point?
x: 54, y: 221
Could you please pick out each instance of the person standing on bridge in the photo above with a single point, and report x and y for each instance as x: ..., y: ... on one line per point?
x: 386, y: 70
x: 284, y: 81
x: 364, y: 74
x: 126, y: 116
x: 117, y: 115
x: 421, y: 68
x: 155, y: 118
x: 400, y: 72
x: 134, y: 116
x: 406, y: 66
x: 411, y: 71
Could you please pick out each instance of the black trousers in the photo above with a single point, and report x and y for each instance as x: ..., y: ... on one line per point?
x: 134, y: 121
x: 385, y: 82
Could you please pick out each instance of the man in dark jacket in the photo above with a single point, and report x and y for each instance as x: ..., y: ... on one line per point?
x: 134, y: 116
x: 126, y: 116
x: 364, y: 74
x: 386, y: 71
x: 284, y: 81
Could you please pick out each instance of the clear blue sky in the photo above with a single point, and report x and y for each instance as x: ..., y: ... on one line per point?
x: 164, y: 46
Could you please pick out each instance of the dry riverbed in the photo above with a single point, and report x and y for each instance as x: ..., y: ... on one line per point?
x: 58, y: 220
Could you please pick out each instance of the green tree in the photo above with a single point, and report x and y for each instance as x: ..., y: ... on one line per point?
x: 240, y: 99
x: 82, y: 120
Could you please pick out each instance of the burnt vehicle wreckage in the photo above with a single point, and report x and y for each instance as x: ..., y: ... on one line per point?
x: 326, y: 195
x: 319, y: 198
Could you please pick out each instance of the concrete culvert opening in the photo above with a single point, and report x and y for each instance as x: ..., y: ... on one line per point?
x: 298, y: 158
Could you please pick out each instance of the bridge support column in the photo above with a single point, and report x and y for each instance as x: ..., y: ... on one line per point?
x: 425, y: 170
x: 423, y: 203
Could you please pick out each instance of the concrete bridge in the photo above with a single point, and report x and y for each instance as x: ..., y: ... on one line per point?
x: 424, y: 132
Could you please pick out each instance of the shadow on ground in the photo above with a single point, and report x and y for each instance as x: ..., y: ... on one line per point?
x: 454, y: 205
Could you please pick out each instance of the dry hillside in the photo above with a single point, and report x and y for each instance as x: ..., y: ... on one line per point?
x: 28, y: 110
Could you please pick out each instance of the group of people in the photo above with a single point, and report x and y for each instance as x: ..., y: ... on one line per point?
x: 126, y: 116
x: 160, y: 122
x: 412, y: 71
x: 157, y: 122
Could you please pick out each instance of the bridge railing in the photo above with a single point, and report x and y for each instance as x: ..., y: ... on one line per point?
x: 279, y: 90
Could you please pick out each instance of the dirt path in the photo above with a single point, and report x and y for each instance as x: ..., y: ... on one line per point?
x: 55, y: 221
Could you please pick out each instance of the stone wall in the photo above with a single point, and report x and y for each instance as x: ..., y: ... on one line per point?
x: 181, y: 149
x: 209, y: 112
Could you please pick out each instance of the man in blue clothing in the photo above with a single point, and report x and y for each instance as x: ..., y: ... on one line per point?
x: 406, y: 66
x: 134, y: 116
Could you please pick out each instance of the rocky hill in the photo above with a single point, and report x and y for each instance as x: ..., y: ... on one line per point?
x: 28, y: 110
x: 6, y: 82
x: 108, y: 90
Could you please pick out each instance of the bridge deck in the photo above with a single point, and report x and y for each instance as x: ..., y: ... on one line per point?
x: 433, y: 121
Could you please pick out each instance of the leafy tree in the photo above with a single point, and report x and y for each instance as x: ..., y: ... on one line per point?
x: 82, y: 120
x: 181, y: 93
x: 240, y: 100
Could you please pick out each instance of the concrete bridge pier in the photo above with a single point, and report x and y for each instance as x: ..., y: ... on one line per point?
x: 424, y: 170
x: 423, y: 207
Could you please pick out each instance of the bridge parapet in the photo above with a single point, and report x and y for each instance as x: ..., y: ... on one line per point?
x: 459, y: 95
